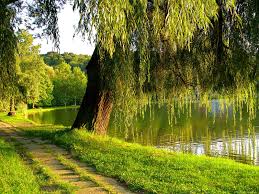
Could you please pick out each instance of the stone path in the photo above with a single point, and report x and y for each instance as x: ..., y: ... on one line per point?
x: 58, y: 161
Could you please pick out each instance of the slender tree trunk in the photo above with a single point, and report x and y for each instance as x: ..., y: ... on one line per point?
x: 96, y: 107
x: 11, y: 104
x: 12, y: 108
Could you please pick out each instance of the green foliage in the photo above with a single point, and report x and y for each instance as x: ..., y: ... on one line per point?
x: 140, y: 167
x: 78, y: 82
x: 14, y: 175
x: 34, y: 80
x: 162, y: 49
x: 69, y: 85
x: 54, y: 59
x: 8, y: 44
x: 191, y: 72
x: 38, y: 84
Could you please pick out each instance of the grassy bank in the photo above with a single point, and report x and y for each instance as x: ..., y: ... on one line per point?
x: 20, y: 117
x: 15, y: 177
x: 156, y: 171
x: 36, y: 110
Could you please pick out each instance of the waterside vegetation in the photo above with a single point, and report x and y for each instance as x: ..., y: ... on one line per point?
x: 152, y: 170
x: 148, y: 169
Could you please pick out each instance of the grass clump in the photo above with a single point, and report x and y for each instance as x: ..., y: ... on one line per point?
x: 157, y: 171
x: 15, y: 177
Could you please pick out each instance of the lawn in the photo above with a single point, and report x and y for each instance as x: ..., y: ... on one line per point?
x: 152, y: 170
x: 17, y: 119
x: 15, y: 177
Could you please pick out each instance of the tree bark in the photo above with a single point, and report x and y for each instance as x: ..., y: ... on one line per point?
x: 11, y: 104
x: 102, y: 113
x: 219, y: 69
x: 96, y: 107
x: 12, y: 108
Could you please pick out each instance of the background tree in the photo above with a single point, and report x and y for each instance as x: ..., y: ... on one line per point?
x: 54, y: 59
x: 69, y: 85
x: 78, y: 83
x: 62, y: 84
x: 33, y: 80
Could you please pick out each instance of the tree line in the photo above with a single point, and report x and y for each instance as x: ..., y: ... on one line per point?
x: 53, y: 59
x: 42, y: 80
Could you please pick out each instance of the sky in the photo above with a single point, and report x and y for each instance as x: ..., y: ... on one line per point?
x: 67, y: 22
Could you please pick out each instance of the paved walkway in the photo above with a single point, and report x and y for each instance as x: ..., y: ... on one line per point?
x: 58, y: 161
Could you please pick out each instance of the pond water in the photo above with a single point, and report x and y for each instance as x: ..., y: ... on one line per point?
x: 212, y: 134
x: 64, y: 116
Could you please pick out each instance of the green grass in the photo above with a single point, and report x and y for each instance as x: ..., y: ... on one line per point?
x: 17, y: 119
x: 84, y: 175
x: 156, y: 171
x: 29, y: 111
x: 47, y: 180
x: 15, y: 177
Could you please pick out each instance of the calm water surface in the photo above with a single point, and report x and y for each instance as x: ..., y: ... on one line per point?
x: 210, y: 133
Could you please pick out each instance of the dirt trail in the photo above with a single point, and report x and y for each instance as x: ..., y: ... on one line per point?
x: 57, y: 160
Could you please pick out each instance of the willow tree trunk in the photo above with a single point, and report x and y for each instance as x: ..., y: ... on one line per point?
x: 96, y: 107
x: 219, y: 69
x: 217, y: 33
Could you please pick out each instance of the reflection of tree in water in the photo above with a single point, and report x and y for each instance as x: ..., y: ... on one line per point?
x: 63, y: 117
x: 218, y: 130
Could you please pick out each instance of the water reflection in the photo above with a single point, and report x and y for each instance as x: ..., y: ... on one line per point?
x: 214, y: 133
x: 55, y: 117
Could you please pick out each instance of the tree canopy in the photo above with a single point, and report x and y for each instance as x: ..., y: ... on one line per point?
x: 38, y: 84
x: 54, y: 59
x: 159, y: 49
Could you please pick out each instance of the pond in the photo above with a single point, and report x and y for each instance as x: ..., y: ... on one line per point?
x: 211, y: 133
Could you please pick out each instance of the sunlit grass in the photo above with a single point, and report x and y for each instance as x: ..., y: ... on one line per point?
x: 157, y: 171
x: 15, y: 177
x: 36, y: 110
x: 152, y: 170
x: 19, y: 118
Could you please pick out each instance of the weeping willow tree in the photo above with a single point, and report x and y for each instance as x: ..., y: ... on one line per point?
x: 131, y: 38
x: 159, y: 50
x: 168, y: 51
